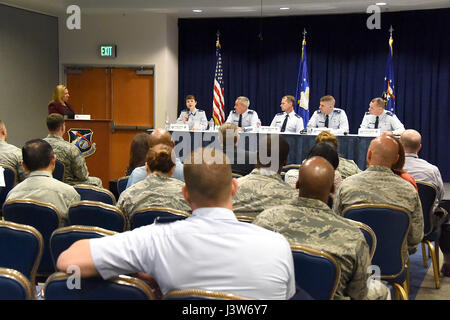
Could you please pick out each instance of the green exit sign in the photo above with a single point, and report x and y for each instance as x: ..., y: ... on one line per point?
x: 108, y: 51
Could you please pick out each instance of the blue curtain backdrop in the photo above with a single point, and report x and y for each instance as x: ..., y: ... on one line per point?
x: 345, y: 59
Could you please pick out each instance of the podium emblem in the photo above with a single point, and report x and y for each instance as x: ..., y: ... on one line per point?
x: 82, y: 139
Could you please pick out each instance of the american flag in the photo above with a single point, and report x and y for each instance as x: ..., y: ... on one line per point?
x: 218, y: 96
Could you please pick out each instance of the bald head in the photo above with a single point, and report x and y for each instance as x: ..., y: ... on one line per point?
x: 161, y: 136
x: 383, y: 151
x: 316, y: 179
x: 411, y: 141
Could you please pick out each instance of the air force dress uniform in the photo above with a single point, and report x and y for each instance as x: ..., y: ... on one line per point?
x: 248, y: 121
x: 294, y: 123
x: 387, y: 121
x: 196, y: 116
x: 337, y: 120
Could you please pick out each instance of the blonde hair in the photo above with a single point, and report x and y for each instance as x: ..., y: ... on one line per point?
x: 326, y: 136
x: 329, y: 99
x: 58, y: 93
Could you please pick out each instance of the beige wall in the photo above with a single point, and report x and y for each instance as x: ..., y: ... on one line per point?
x: 142, y: 39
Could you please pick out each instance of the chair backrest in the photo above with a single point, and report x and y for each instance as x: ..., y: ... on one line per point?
x: 42, y: 216
x: 245, y: 219
x: 236, y: 175
x: 288, y: 167
x: 118, y: 288
x: 369, y: 235
x: 10, y: 175
x: 199, y: 294
x: 316, y: 272
x: 146, y: 216
x: 14, y: 285
x: 58, y: 173
x: 427, y: 195
x: 390, y: 225
x: 122, y: 184
x: 62, y: 238
x: 97, y: 214
x: 21, y: 248
x: 93, y: 193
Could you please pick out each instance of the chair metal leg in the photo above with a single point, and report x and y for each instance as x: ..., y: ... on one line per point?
x: 406, y: 285
x: 424, y: 255
x: 399, y: 292
x: 436, y: 248
x: 437, y: 281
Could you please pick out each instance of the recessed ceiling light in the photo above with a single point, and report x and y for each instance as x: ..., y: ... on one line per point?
x: 284, y: 8
x: 381, y: 3
x: 197, y: 10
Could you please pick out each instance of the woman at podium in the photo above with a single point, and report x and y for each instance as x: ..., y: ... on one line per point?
x: 60, y: 104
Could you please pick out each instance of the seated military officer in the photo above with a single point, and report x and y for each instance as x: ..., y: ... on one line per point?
x: 378, y: 117
x: 328, y: 116
x: 242, y: 116
x: 288, y: 120
x: 195, y: 118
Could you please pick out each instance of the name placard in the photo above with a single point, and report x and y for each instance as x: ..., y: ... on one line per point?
x: 82, y: 117
x: 316, y: 131
x: 369, y: 132
x: 178, y: 127
x: 268, y: 129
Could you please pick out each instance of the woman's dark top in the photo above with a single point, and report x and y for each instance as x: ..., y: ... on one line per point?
x: 65, y: 110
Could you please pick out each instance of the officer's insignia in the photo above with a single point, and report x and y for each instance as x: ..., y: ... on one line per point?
x: 367, y: 113
x: 280, y: 114
x: 82, y: 139
x: 389, y: 113
x: 250, y: 111
x: 337, y: 110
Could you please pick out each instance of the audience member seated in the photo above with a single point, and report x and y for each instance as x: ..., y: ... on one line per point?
x: 138, y: 151
x: 308, y: 221
x: 156, y: 137
x: 397, y: 167
x: 379, y: 185
x: 422, y: 170
x: 242, y: 161
x: 158, y: 189
x: 325, y: 150
x: 10, y: 154
x: 263, y: 187
x: 211, y: 250
x: 39, y: 163
x: 76, y: 171
x: 346, y: 167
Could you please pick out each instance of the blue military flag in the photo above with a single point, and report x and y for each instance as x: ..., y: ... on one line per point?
x: 302, y: 91
x: 389, y: 87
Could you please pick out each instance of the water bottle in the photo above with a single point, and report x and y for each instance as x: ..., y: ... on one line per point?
x: 211, y: 125
x: 167, y: 123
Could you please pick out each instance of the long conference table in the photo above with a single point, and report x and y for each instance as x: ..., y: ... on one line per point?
x: 350, y: 146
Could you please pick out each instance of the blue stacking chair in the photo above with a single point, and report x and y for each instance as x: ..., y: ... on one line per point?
x: 42, y: 216
x: 118, y: 288
x: 10, y: 175
x: 14, y: 285
x: 21, y: 248
x: 316, y: 272
x: 92, y: 193
x: 97, y: 214
x: 122, y: 184
x: 369, y: 235
x: 146, y: 216
x: 199, y: 294
x: 58, y: 173
x: 390, y: 225
x: 428, y: 195
x: 62, y: 238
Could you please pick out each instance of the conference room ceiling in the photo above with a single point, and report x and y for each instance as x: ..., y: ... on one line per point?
x: 223, y: 8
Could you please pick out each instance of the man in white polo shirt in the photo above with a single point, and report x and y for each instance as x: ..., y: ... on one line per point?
x: 211, y: 250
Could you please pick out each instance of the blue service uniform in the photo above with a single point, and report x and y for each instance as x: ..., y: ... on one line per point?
x: 387, y: 121
x: 249, y: 119
x: 337, y: 119
x: 294, y: 123
x: 197, y: 116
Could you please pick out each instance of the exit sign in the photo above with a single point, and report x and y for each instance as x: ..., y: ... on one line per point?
x: 108, y: 51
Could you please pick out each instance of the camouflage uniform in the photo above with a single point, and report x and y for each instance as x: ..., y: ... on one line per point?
x: 379, y: 185
x: 260, y: 190
x: 154, y: 191
x: 76, y: 171
x: 41, y: 186
x: 347, y: 167
x: 12, y: 156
